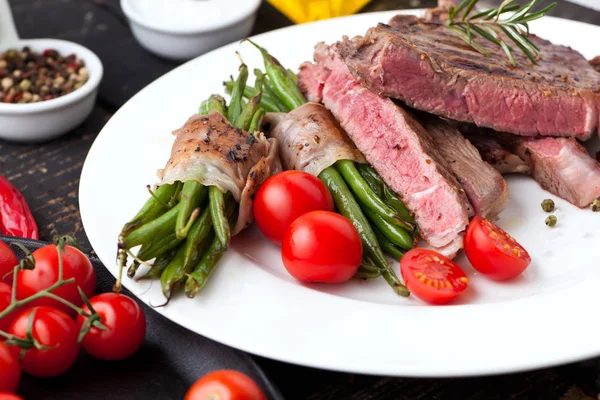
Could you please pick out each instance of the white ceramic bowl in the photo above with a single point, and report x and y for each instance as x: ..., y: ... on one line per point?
x: 34, y: 122
x: 178, y: 42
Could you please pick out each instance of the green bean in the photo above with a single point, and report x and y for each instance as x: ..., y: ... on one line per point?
x: 293, y: 76
x: 374, y: 184
x: 157, y: 204
x: 200, y: 275
x: 245, y: 118
x: 267, y: 86
x: 202, y: 228
x: 389, y: 196
x: 159, y: 265
x: 388, y: 247
x: 192, y: 195
x: 133, y: 268
x: 283, y: 84
x: 349, y: 208
x: 158, y: 245
x: 267, y: 102
x: 256, y: 123
x: 395, y: 234
x: 177, y: 269
x: 367, y: 274
x: 213, y: 103
x: 160, y: 226
x: 236, y: 103
x: 217, y: 213
x: 366, y: 196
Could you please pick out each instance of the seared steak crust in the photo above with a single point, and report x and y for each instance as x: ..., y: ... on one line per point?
x: 423, y: 64
x: 486, y: 189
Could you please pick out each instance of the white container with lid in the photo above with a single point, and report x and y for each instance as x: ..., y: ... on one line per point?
x: 184, y: 29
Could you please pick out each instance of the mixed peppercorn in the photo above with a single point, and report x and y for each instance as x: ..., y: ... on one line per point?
x: 27, y: 76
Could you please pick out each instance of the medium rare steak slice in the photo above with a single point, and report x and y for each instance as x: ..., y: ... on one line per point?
x: 425, y: 65
x: 561, y: 166
x: 486, y: 189
x: 401, y: 151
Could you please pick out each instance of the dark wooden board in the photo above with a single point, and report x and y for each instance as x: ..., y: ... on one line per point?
x: 48, y: 175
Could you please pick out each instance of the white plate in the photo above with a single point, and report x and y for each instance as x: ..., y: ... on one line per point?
x: 545, y: 317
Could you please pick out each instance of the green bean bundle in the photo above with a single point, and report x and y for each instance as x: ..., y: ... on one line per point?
x: 205, y: 194
x: 381, y: 219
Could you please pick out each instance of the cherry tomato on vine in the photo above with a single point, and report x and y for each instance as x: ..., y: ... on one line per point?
x: 432, y: 277
x: 8, y: 261
x: 286, y: 196
x: 51, y: 328
x: 494, y: 252
x: 5, y: 297
x: 225, y: 385
x: 46, y: 273
x: 321, y: 246
x: 10, y: 370
x: 125, y: 323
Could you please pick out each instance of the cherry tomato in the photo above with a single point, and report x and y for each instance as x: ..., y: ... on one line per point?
x: 45, y: 274
x: 125, y: 323
x: 9, y: 396
x: 225, y: 385
x: 432, y: 277
x: 321, y: 246
x: 494, y: 252
x: 286, y: 196
x: 51, y: 328
x: 10, y: 370
x: 5, y: 297
x: 8, y: 261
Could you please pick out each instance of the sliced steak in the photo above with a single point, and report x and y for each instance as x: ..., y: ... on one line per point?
x: 425, y: 65
x: 561, y: 166
x: 400, y: 149
x: 486, y: 189
x: 496, y: 155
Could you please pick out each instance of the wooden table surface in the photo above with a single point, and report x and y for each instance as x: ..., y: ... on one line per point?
x: 48, y: 175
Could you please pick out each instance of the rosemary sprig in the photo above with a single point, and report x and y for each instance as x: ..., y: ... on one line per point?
x: 469, y: 26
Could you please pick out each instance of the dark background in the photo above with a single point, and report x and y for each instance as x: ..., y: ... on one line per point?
x: 48, y: 175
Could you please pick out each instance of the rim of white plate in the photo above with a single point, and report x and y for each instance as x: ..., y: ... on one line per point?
x: 316, y: 329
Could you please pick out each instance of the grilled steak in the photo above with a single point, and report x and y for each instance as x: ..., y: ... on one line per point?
x: 561, y: 166
x: 425, y: 65
x: 397, y: 146
x: 497, y: 155
x: 310, y: 139
x: 210, y: 150
x: 486, y: 189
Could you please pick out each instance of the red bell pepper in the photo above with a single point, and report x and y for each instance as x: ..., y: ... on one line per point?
x: 15, y: 216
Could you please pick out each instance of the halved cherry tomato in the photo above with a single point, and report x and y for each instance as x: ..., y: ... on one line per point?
x: 10, y: 370
x: 8, y: 261
x: 225, y: 385
x: 53, y: 329
x: 45, y: 274
x: 321, y: 246
x: 432, y: 277
x: 125, y: 327
x: 5, y: 297
x: 286, y: 196
x: 494, y: 252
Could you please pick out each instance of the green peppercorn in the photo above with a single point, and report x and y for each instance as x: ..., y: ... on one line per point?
x: 551, y: 221
x: 595, y: 205
x: 25, y: 84
x: 548, y: 205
